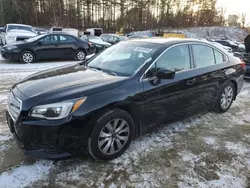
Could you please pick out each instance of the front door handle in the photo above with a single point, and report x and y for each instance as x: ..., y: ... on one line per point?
x: 191, y: 81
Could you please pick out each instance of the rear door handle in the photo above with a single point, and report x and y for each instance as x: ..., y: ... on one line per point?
x: 191, y: 81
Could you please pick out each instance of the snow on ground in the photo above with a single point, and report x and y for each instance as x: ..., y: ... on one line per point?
x: 206, y: 150
x: 231, y: 33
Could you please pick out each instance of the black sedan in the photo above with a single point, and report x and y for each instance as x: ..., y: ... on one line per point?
x: 99, y: 44
x: 47, y: 46
x: 228, y: 43
x: 113, y: 38
x: 100, y: 105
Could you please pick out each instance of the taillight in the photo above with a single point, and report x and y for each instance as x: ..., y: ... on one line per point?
x: 243, y: 64
x: 90, y: 44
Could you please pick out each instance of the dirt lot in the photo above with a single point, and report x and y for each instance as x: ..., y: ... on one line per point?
x: 207, y: 150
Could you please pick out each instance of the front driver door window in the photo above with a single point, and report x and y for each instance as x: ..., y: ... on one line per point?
x: 165, y: 98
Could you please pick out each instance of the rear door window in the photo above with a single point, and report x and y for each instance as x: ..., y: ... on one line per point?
x: 203, y: 55
x: 219, y: 57
x: 66, y: 39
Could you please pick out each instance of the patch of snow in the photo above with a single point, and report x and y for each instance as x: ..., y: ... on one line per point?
x: 209, y: 140
x: 225, y: 181
x: 237, y: 148
x: 5, y: 137
x: 25, y: 175
x: 187, y: 156
x: 230, y: 33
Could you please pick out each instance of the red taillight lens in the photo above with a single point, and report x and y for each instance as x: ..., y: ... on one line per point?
x: 243, y: 64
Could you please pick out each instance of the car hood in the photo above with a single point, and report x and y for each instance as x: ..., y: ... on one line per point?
x: 66, y: 81
x: 20, y: 32
x: 100, y: 42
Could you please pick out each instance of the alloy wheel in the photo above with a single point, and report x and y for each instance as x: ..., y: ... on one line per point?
x: 80, y: 56
x: 113, y: 136
x: 226, y: 97
x: 27, y: 57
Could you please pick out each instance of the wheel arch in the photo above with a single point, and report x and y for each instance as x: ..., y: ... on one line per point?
x: 127, y: 107
x: 235, y: 87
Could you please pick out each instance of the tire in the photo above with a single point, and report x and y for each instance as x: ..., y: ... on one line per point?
x: 227, y: 92
x: 80, y: 55
x: 101, y: 139
x: 27, y: 57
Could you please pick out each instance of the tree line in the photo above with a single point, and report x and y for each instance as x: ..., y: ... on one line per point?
x: 112, y: 15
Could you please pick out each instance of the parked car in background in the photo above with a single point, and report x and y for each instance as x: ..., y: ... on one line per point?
x: 112, y: 38
x: 97, y: 42
x: 227, y: 48
x: 41, y: 31
x: 228, y: 43
x: 48, y: 46
x: 101, y: 104
x: 95, y: 31
x: 70, y: 31
x: 16, y: 32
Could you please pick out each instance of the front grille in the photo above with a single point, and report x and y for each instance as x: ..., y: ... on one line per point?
x: 14, y: 106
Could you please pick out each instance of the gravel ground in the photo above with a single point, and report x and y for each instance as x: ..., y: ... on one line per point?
x: 207, y: 150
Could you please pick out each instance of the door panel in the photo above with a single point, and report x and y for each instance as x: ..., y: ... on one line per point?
x: 67, y: 46
x: 47, y: 48
x: 166, y: 99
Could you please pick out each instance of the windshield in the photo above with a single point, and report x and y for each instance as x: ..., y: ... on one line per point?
x: 124, y: 58
x: 123, y: 38
x: 34, y: 38
x: 27, y: 28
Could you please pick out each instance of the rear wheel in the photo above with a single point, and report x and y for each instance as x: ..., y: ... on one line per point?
x: 111, y: 135
x: 27, y: 57
x: 226, y: 97
x: 80, y: 55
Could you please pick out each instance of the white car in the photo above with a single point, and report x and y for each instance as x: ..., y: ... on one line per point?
x: 16, y: 32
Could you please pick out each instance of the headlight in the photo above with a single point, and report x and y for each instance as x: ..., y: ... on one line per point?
x: 56, y: 110
x: 11, y: 47
x: 10, y: 38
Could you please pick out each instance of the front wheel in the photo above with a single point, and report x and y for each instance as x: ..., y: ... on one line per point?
x: 111, y: 135
x: 27, y: 57
x: 80, y: 55
x: 226, y: 97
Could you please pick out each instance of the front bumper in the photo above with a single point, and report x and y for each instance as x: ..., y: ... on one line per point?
x: 43, y: 139
x: 9, y: 54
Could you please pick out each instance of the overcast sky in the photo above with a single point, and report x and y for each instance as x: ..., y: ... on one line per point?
x: 236, y: 7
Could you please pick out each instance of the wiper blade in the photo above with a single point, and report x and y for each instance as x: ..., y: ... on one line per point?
x: 111, y: 73
x: 96, y: 68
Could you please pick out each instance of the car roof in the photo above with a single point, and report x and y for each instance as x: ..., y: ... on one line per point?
x: 161, y: 40
x: 20, y: 25
x: 110, y: 34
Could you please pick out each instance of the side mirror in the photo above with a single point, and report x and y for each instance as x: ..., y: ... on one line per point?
x: 39, y: 43
x: 165, y: 74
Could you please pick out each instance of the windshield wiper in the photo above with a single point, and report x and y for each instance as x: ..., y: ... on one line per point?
x: 111, y: 73
x: 103, y: 70
x: 96, y: 68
